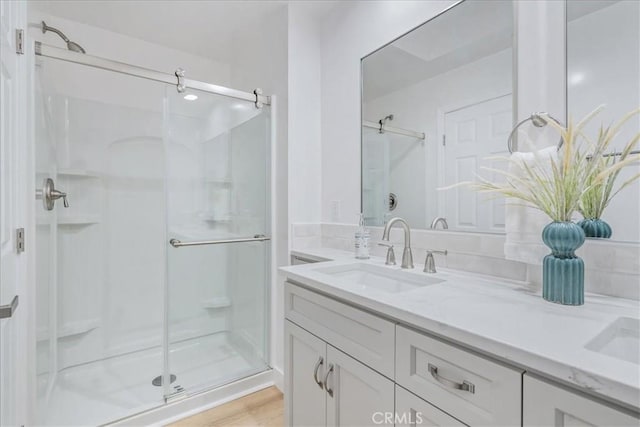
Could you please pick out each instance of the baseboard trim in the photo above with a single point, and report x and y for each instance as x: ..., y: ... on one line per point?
x: 278, y: 379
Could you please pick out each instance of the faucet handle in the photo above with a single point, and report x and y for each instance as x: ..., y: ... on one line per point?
x: 391, y: 256
x: 433, y: 251
x: 430, y: 262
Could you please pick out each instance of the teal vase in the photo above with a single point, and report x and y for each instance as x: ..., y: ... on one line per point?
x: 596, y: 228
x: 563, y: 271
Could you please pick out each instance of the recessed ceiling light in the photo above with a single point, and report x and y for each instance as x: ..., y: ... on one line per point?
x: 190, y: 97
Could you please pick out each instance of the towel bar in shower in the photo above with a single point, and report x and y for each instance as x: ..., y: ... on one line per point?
x: 257, y: 238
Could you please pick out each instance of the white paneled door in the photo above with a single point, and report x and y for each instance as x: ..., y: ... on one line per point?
x: 12, y: 213
x: 472, y: 134
x: 358, y: 395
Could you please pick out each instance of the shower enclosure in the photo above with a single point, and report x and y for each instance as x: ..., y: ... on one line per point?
x: 153, y: 225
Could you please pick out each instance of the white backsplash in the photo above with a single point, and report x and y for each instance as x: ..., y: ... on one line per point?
x: 611, y: 268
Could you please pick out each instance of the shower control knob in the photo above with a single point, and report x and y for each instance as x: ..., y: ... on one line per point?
x: 49, y: 195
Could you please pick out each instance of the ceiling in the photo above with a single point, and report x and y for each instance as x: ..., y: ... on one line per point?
x: 204, y: 28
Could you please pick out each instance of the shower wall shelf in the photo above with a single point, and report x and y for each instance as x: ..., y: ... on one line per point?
x: 64, y: 220
x: 218, y: 302
x: 209, y: 217
x: 79, y: 220
x: 225, y: 182
x: 79, y: 173
x: 71, y: 329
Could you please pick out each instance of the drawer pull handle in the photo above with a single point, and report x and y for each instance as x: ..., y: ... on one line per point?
x: 326, y: 380
x: 464, y: 385
x: 315, y: 371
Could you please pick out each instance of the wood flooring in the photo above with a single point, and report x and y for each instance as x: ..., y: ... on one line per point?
x: 260, y: 409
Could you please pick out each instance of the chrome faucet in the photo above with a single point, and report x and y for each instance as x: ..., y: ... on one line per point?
x: 407, y: 256
x: 440, y: 219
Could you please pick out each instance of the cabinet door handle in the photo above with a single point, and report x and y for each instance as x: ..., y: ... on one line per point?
x: 464, y: 385
x: 326, y: 380
x: 315, y: 371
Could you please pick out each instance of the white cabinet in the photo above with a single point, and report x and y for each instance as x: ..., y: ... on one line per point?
x: 345, y: 366
x: 546, y: 404
x: 325, y: 387
x: 357, y: 395
x: 305, y: 360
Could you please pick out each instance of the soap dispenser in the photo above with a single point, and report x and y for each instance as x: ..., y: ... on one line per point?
x: 362, y: 240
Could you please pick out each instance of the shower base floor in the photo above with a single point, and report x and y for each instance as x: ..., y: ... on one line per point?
x: 107, y: 390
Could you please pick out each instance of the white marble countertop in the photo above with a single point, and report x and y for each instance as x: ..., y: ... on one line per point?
x: 499, y: 318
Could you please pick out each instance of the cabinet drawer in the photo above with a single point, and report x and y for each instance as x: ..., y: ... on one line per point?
x: 365, y: 337
x: 471, y: 388
x: 413, y: 411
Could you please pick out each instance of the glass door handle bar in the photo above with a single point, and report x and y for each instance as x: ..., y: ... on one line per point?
x: 257, y: 238
x: 7, y: 310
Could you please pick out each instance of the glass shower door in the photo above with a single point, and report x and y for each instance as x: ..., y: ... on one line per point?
x: 218, y: 222
x: 375, y: 177
x: 99, y: 269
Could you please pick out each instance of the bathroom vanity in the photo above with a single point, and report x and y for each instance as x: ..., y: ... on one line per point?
x: 369, y: 344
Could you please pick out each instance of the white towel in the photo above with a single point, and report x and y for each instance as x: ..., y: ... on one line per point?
x: 524, y: 223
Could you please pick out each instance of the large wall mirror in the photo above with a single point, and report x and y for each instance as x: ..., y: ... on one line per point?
x: 603, y: 67
x: 435, y: 104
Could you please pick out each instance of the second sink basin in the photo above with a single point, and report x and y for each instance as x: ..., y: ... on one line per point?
x: 369, y: 276
x: 621, y: 339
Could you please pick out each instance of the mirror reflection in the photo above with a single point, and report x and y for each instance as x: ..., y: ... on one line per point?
x: 435, y: 104
x: 603, y: 67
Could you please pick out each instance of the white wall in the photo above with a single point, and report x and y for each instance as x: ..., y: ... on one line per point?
x: 108, y: 44
x: 540, y: 75
x: 305, y: 93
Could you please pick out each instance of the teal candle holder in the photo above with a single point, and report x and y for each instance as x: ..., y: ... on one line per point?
x: 563, y: 270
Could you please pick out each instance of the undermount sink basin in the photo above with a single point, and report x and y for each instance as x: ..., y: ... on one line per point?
x: 621, y: 339
x: 368, y: 276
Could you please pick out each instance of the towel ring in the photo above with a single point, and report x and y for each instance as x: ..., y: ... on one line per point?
x: 539, y: 120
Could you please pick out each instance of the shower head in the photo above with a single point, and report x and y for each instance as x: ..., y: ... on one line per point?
x: 72, y: 46
x: 75, y: 47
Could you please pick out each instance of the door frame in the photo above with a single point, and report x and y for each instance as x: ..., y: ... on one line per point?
x: 24, y: 190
